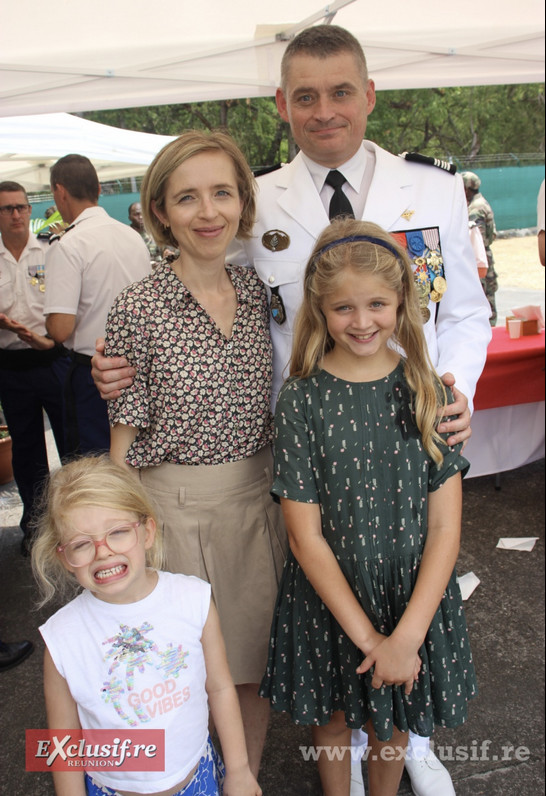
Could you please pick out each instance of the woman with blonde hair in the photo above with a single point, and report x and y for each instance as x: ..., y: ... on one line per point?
x: 196, y: 422
x: 132, y: 632
x: 369, y: 629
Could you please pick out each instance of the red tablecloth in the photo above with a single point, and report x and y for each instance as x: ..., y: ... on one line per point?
x: 513, y: 373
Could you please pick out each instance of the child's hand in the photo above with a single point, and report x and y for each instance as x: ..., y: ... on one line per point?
x: 394, y: 662
x: 241, y: 783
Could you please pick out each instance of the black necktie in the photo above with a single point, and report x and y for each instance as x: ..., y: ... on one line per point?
x: 339, y: 203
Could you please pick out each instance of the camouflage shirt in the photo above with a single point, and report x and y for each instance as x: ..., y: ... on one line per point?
x: 479, y: 210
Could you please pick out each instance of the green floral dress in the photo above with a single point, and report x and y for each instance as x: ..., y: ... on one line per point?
x: 354, y: 449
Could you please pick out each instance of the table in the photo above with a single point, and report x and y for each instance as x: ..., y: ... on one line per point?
x: 508, y: 428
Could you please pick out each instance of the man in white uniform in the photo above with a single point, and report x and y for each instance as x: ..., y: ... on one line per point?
x: 91, y: 263
x: 28, y: 384
x: 326, y: 96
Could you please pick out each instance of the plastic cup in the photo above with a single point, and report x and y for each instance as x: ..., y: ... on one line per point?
x: 514, y: 328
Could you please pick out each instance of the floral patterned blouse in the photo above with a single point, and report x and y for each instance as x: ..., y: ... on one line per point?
x: 198, y: 397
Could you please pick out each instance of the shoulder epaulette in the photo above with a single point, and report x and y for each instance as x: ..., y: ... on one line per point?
x: 266, y: 170
x: 58, y: 235
x: 416, y: 157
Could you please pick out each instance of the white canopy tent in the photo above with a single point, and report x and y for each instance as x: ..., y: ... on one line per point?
x: 30, y: 145
x: 76, y: 55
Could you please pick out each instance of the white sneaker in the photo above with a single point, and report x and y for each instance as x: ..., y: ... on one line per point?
x: 429, y: 777
x: 357, y: 783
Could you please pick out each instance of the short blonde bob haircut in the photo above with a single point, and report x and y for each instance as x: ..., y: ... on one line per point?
x: 85, y: 482
x: 334, y: 252
x: 186, y: 146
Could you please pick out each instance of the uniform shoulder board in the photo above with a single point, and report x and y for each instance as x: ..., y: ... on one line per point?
x: 266, y: 170
x: 57, y: 232
x: 416, y: 157
x: 44, y: 235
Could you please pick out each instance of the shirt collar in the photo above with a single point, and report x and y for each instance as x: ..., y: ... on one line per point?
x: 353, y: 170
x: 95, y: 210
x: 32, y: 243
x: 239, y: 283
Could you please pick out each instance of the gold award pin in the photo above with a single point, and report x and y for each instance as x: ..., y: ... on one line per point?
x: 408, y: 214
x: 275, y: 240
x: 440, y: 285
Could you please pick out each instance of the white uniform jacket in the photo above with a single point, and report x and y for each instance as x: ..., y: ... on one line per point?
x: 428, y: 197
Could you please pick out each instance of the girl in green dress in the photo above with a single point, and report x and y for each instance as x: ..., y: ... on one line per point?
x: 369, y: 629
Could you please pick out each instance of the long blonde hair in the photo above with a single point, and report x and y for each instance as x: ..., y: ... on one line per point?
x: 85, y: 482
x: 339, y: 247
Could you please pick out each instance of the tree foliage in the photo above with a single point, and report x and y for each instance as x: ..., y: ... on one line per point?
x: 254, y: 123
x: 461, y: 123
x: 458, y: 123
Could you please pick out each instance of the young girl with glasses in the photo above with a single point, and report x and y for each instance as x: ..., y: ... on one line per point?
x: 369, y: 629
x: 137, y: 648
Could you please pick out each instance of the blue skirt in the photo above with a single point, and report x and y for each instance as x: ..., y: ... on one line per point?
x: 207, y: 780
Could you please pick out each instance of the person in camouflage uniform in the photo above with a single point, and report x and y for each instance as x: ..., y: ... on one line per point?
x: 137, y: 223
x: 479, y: 211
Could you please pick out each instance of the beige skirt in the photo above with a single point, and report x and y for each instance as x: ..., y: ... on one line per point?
x: 221, y: 524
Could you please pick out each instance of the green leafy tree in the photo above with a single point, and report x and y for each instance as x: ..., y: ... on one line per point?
x: 460, y: 123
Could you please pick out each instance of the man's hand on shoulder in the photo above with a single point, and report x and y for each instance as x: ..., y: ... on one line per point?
x: 110, y: 374
x: 458, y: 428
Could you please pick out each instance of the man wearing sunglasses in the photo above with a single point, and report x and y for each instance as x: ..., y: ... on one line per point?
x: 28, y: 384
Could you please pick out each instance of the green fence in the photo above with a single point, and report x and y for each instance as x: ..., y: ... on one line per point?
x: 116, y: 205
x: 511, y: 191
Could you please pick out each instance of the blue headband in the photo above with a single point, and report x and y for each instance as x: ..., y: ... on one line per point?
x: 356, y: 239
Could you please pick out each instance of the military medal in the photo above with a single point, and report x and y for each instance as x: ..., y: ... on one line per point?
x: 435, y: 261
x: 278, y: 313
x: 440, y: 285
x: 423, y: 248
x: 275, y: 240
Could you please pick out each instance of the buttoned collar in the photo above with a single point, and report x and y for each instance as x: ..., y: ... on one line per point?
x: 353, y: 170
x: 32, y: 243
x: 164, y: 272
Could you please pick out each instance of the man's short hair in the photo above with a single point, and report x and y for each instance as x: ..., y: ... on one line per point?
x: 131, y: 207
x: 10, y: 187
x: 323, y: 41
x: 77, y: 174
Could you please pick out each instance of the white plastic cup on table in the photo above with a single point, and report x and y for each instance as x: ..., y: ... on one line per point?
x: 514, y: 328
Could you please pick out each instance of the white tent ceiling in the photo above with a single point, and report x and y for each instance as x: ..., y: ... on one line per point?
x: 75, y: 55
x: 30, y: 145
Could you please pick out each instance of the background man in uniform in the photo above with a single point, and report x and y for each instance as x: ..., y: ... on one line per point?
x: 28, y: 384
x: 88, y: 266
x: 137, y: 223
x: 480, y: 212
x: 326, y: 96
